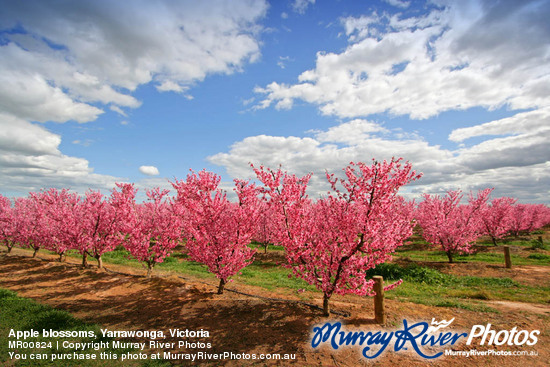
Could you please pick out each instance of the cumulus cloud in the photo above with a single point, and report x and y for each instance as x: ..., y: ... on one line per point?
x: 521, y: 123
x: 520, y: 140
x: 161, y: 41
x: 30, y: 160
x: 67, y: 61
x: 476, y: 167
x: 353, y: 132
x: 149, y: 170
x: 22, y: 137
x: 329, y: 151
x: 458, y: 56
x: 31, y: 97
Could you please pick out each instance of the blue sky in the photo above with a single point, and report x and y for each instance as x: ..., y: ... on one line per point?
x: 96, y: 92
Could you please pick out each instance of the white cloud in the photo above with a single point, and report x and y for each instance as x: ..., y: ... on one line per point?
x: 149, y: 170
x: 85, y: 143
x: 300, y: 6
x: 118, y: 110
x: 457, y: 56
x: 520, y: 140
x: 304, y: 155
x: 521, y: 123
x: 21, y: 137
x: 170, y: 86
x: 353, y: 132
x: 282, y: 61
x: 182, y: 41
x: 522, y: 150
x: 30, y: 160
x: 522, y: 171
x: 399, y: 3
x: 67, y: 61
x: 30, y: 97
x: 464, y: 55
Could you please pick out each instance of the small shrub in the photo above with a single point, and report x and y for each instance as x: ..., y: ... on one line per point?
x: 537, y: 244
x: 429, y: 276
x: 414, y: 273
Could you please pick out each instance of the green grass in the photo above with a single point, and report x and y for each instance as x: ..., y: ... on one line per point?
x: 542, y: 257
x: 21, y: 314
x: 271, y: 276
x: 266, y: 274
x: 429, y: 286
x: 485, y: 257
x: 422, y: 284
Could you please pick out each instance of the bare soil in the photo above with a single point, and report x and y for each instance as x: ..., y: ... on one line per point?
x: 122, y: 299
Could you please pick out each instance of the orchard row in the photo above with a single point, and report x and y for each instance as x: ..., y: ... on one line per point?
x: 329, y: 242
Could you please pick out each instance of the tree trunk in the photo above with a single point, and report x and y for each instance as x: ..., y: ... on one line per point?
x: 35, y: 252
x: 84, y: 260
x: 99, y: 261
x: 494, y: 241
x: 326, y: 306
x: 265, y: 248
x: 62, y: 257
x: 9, y: 249
x: 220, y: 288
x: 149, y: 270
x: 450, y: 256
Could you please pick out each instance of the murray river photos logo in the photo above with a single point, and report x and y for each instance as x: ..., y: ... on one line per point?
x: 417, y: 336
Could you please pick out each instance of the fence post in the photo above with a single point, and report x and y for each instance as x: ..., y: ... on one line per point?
x: 379, y: 315
x: 507, y: 258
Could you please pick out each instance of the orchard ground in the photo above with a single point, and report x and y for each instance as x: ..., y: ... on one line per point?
x: 476, y: 289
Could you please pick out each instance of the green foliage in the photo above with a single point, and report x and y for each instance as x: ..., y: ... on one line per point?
x: 537, y: 245
x: 421, y: 274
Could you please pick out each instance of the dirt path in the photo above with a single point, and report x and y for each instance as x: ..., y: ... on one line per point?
x: 243, y: 324
x: 520, y: 306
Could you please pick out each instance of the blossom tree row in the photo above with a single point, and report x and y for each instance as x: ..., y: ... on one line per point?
x: 330, y: 242
x: 447, y: 222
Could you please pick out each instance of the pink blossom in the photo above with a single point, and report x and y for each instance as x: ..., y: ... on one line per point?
x: 218, y: 230
x: 331, y: 242
x: 447, y: 223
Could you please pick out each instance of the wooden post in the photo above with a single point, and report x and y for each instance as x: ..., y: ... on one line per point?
x: 379, y: 315
x: 507, y: 258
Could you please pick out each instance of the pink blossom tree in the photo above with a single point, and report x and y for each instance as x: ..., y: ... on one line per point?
x: 528, y: 217
x: 219, y: 231
x: 447, y: 223
x: 101, y: 221
x: 266, y: 228
x: 153, y: 229
x: 497, y: 218
x: 31, y: 229
x: 7, y: 225
x: 331, y: 243
x: 62, y: 210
